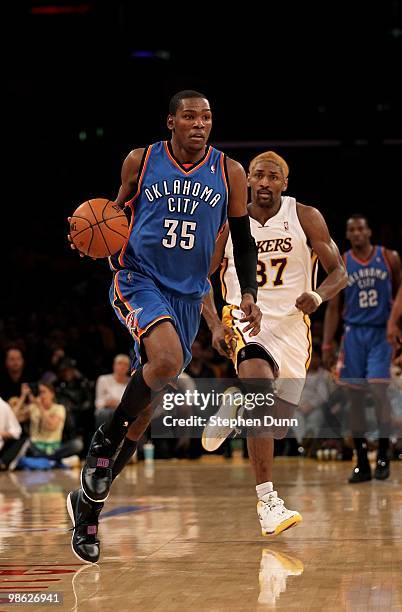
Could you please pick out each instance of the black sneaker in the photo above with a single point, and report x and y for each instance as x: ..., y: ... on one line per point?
x: 96, y: 475
x: 360, y: 474
x: 84, y: 516
x: 382, y: 469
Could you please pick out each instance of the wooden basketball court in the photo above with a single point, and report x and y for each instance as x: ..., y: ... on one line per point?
x: 180, y: 535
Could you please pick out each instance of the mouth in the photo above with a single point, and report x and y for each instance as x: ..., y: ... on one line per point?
x: 264, y: 193
x: 198, y: 137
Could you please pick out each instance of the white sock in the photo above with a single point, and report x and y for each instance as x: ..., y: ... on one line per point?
x: 264, y: 488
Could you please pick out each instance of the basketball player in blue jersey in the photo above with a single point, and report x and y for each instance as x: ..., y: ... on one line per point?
x: 365, y: 354
x: 182, y: 192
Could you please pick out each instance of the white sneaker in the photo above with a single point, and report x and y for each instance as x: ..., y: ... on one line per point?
x: 275, y: 567
x: 216, y: 431
x: 273, y: 515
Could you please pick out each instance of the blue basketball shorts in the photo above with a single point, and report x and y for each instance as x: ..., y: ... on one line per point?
x: 140, y: 305
x: 365, y: 354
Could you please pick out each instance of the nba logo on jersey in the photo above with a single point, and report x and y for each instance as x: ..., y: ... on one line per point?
x: 132, y: 321
x: 286, y: 225
x: 213, y: 169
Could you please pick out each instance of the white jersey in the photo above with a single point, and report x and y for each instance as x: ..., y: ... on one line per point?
x: 286, y: 264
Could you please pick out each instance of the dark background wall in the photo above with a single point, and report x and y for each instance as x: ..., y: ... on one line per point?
x: 85, y: 83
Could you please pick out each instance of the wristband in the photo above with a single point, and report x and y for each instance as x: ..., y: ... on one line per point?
x: 316, y: 296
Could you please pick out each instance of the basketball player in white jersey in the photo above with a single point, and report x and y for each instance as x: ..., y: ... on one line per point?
x: 289, y: 237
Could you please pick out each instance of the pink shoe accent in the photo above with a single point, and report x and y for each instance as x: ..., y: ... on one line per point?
x: 104, y: 463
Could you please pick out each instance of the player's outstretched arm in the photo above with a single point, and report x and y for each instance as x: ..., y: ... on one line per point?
x: 129, y: 176
x: 331, y: 322
x: 244, y: 248
x: 394, y: 332
x: 316, y: 230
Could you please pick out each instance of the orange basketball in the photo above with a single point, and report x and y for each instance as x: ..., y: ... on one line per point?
x: 98, y: 228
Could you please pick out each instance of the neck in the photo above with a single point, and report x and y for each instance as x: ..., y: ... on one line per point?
x: 183, y: 155
x: 363, y: 252
x: 15, y: 376
x: 262, y: 213
x: 120, y: 377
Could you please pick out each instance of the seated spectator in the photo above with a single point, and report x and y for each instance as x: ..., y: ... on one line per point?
x: 76, y: 394
x: 10, y: 432
x: 46, y: 427
x: 110, y: 388
x: 50, y: 375
x: 197, y: 368
x: 14, y: 375
x: 316, y: 392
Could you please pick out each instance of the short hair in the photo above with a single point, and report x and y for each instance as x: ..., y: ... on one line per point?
x: 359, y: 216
x: 176, y: 100
x: 273, y: 157
x: 122, y: 356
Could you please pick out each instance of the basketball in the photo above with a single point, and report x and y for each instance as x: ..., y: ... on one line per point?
x: 98, y: 228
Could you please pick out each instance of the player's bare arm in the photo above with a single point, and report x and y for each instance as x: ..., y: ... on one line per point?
x: 331, y: 323
x: 316, y: 230
x: 221, y: 334
x: 244, y: 249
x: 129, y: 176
x: 394, y: 332
x: 394, y: 262
x: 219, y: 249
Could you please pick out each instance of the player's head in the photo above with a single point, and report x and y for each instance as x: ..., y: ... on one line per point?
x: 190, y: 119
x: 358, y: 231
x: 268, y: 178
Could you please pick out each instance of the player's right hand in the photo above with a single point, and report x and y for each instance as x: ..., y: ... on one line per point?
x: 328, y: 357
x: 72, y: 245
x: 223, y: 340
x: 394, y: 335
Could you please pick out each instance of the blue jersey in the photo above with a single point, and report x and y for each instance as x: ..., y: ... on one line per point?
x: 177, y: 214
x: 368, y: 296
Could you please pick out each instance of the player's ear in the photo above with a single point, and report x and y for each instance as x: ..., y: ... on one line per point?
x: 369, y: 233
x: 285, y: 185
x: 248, y: 179
x: 170, y: 122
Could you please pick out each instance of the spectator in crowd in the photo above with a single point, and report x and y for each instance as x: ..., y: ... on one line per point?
x: 57, y: 356
x: 110, y: 388
x: 75, y: 393
x: 317, y: 389
x: 197, y: 368
x: 14, y: 375
x: 47, y: 420
x: 10, y: 432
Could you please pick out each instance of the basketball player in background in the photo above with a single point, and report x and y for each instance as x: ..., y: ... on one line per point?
x: 183, y: 192
x: 289, y: 236
x: 374, y: 275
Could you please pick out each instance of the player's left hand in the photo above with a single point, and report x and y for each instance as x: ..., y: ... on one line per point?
x: 306, y: 303
x: 252, y: 314
x: 394, y: 335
